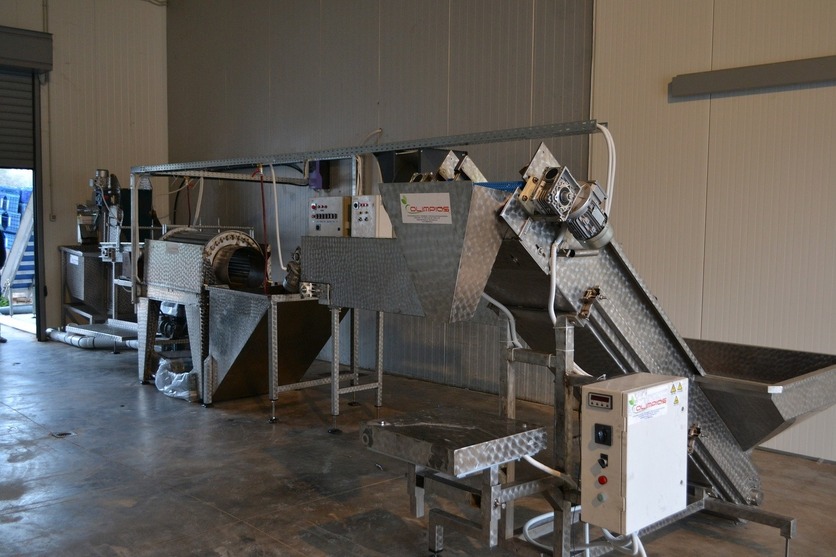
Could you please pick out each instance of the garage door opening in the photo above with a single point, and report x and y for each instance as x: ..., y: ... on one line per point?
x: 17, y: 280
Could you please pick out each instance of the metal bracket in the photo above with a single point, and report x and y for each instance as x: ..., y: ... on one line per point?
x: 590, y: 295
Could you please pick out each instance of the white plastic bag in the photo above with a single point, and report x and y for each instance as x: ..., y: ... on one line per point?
x: 173, y: 384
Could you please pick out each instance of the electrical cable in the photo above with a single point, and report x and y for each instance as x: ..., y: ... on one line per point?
x: 628, y: 544
x: 543, y: 519
x: 376, y: 132
x: 610, y: 167
x: 263, y: 224
x: 177, y: 199
x: 199, y: 202
x: 189, y: 201
x: 276, y: 218
x: 512, y: 323
x: 551, y: 471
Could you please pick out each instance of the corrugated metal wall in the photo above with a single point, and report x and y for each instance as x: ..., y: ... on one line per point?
x: 726, y: 204
x: 102, y: 106
x: 275, y: 77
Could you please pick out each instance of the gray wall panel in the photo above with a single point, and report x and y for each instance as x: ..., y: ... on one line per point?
x: 414, y: 69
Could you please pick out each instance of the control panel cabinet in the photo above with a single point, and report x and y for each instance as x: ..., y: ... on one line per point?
x: 369, y: 218
x: 634, y: 450
x: 329, y: 216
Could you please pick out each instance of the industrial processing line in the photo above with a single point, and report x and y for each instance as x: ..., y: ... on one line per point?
x: 543, y: 255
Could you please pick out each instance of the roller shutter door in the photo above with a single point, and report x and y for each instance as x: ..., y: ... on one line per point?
x: 17, y: 133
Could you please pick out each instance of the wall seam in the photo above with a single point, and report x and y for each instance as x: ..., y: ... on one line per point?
x: 701, y: 317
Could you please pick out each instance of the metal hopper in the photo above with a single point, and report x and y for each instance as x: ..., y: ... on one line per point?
x: 760, y: 392
x: 449, y: 235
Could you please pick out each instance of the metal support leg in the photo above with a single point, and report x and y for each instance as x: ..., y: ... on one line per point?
x: 415, y: 489
x: 355, y: 354
x: 562, y: 534
x: 148, y: 314
x: 563, y: 429
x: 198, y: 347
x: 210, y: 370
x: 335, y: 369
x: 491, y: 505
x: 379, y: 362
x: 273, y: 357
x: 563, y: 416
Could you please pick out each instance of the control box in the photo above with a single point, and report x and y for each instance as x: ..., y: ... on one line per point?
x: 329, y: 216
x: 634, y: 450
x: 368, y: 217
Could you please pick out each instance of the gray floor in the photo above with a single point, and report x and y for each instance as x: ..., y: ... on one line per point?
x: 144, y: 474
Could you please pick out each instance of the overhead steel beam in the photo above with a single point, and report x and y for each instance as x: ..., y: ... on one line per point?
x: 513, y: 134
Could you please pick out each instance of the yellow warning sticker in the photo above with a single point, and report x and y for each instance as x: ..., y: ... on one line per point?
x: 679, y: 387
x: 675, y: 400
x: 673, y: 390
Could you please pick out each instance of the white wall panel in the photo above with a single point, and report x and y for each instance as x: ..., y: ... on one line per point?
x: 561, y: 75
x: 659, y: 201
x: 769, y: 248
x: 724, y: 204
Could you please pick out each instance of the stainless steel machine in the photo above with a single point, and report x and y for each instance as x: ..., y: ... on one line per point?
x: 585, y: 314
x: 543, y: 255
x: 178, y: 268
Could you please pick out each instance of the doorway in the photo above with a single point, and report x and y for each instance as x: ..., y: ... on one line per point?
x: 17, y: 287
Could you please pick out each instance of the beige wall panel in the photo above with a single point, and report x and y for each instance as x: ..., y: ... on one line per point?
x: 769, y: 262
x: 750, y: 32
x: 659, y: 201
x: 23, y: 14
x: 755, y: 168
x: 561, y: 80
x: 295, y: 96
x: 349, y: 77
x: 104, y: 106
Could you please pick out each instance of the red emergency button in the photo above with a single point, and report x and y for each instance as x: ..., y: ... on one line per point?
x: 602, y: 480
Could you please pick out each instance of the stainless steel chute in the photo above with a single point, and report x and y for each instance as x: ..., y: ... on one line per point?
x: 258, y: 342
x: 759, y: 391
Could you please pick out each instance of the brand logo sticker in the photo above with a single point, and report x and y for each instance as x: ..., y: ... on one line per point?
x: 426, y: 208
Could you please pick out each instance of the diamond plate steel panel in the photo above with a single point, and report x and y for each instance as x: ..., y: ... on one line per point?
x: 364, y: 273
x: 760, y: 391
x: 174, y: 265
x: 452, y: 443
x: 449, y: 263
x: 481, y: 244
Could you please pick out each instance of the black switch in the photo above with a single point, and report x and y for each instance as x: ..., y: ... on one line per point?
x: 603, y: 461
x: 603, y: 434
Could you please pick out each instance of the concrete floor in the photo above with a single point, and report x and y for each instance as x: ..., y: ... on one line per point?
x: 144, y: 474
